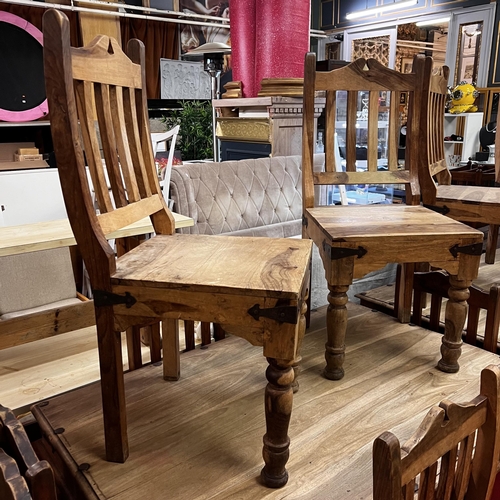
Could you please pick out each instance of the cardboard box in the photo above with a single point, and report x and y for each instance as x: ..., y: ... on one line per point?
x: 28, y: 157
x: 8, y: 149
x: 28, y: 151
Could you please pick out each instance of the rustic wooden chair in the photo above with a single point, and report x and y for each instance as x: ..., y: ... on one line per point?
x: 255, y: 288
x: 436, y: 283
x: 36, y: 474
x: 470, y: 204
x: 356, y: 239
x: 452, y: 455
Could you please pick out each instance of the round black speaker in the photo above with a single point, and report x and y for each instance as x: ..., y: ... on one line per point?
x: 22, y: 86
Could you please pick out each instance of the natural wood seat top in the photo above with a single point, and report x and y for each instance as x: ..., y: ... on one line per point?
x: 163, y: 262
x: 470, y: 194
x: 350, y: 222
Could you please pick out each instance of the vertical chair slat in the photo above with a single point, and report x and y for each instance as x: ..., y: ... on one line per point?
x: 127, y: 169
x: 351, y: 118
x: 464, y: 466
x: 105, y: 119
x: 446, y: 475
x: 86, y: 112
x: 330, y: 111
x: 393, y: 136
x: 372, y: 153
x: 129, y: 106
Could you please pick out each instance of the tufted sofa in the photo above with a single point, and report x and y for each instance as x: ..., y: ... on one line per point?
x: 254, y: 197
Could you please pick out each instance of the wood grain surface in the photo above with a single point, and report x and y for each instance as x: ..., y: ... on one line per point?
x: 197, y: 438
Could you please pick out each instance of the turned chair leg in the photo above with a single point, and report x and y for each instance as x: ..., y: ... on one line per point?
x: 455, y: 314
x: 336, y: 326
x: 278, y: 406
x: 300, y: 337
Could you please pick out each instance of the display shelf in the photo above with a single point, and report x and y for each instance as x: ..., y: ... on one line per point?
x: 466, y: 125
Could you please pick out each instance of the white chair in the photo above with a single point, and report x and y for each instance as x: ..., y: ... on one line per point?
x: 159, y: 141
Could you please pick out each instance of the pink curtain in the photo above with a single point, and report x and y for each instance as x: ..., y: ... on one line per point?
x: 269, y: 39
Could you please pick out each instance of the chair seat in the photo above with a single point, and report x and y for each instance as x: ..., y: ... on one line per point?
x: 398, y: 222
x: 390, y: 233
x: 218, y: 264
x: 471, y: 194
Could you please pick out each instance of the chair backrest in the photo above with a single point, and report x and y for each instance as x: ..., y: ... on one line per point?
x: 38, y: 473
x: 452, y: 455
x: 365, y: 98
x: 12, y: 484
x: 99, y: 82
x: 433, y: 169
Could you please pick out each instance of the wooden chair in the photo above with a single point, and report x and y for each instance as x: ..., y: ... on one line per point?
x: 354, y: 240
x: 470, y: 204
x: 436, y: 283
x: 36, y: 474
x: 254, y: 287
x: 452, y: 455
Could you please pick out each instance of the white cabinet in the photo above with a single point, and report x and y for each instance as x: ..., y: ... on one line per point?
x: 28, y: 196
x: 466, y: 125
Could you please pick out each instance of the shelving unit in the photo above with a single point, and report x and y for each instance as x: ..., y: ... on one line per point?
x: 466, y: 125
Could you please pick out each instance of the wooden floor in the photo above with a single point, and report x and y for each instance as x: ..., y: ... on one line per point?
x: 201, y: 437
x: 382, y: 297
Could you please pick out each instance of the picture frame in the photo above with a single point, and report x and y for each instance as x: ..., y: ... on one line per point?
x: 406, y: 64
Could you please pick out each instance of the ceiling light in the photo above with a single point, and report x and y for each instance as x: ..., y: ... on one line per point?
x: 381, y: 8
x: 434, y: 22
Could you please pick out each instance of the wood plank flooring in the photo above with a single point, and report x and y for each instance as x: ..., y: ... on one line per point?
x: 201, y: 437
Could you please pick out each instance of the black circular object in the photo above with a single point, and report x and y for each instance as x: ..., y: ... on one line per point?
x: 22, y: 85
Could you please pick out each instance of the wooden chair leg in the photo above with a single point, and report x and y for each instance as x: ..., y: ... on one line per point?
x: 404, y: 291
x: 492, y: 320
x: 134, y: 347
x: 455, y: 314
x: 205, y: 333
x: 112, y: 386
x: 219, y: 332
x: 189, y: 335
x: 171, y: 350
x: 155, y: 342
x: 491, y: 244
x: 301, y: 332
x: 336, y: 326
x: 278, y: 407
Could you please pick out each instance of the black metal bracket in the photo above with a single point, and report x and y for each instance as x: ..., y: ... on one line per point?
x: 337, y: 253
x: 440, y: 210
x: 103, y: 299
x: 281, y: 314
x: 474, y: 249
x: 304, y: 221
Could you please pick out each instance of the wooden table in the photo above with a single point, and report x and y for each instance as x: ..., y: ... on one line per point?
x: 58, y: 233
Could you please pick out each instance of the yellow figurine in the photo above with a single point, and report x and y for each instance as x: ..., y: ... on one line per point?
x: 462, y: 98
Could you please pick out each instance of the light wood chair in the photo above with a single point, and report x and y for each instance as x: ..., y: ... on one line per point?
x: 36, y: 474
x: 255, y: 288
x: 452, y: 455
x: 436, y: 283
x: 470, y: 204
x: 354, y: 240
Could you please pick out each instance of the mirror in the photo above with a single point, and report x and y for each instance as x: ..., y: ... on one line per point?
x: 468, y: 50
